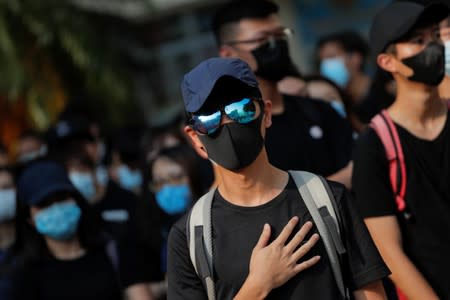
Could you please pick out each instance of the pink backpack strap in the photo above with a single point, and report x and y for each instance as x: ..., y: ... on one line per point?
x: 385, y: 129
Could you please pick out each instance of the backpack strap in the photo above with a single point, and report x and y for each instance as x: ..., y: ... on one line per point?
x: 319, y: 202
x: 199, y: 237
x: 384, y: 127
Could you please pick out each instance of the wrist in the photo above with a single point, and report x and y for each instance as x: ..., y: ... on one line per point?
x: 260, y: 290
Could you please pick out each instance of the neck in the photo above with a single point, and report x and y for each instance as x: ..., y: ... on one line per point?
x: 270, y: 92
x: 65, y: 250
x: 444, y: 88
x: 7, y: 235
x: 254, y: 185
x: 417, y: 103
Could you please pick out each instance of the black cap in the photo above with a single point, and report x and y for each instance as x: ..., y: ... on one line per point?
x: 69, y: 129
x: 41, y: 180
x: 398, y: 18
x: 200, y: 81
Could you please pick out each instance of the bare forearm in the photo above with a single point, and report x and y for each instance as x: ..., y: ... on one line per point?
x: 406, y: 276
x: 138, y: 291
x: 344, y: 175
x: 372, y: 291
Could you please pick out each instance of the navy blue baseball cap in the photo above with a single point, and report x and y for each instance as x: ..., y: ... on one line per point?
x: 41, y: 180
x: 396, y: 19
x: 200, y: 81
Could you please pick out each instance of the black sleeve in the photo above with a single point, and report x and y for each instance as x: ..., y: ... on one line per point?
x: 363, y: 261
x: 370, y: 180
x: 183, y: 282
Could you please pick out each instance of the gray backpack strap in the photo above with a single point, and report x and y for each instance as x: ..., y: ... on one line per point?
x: 199, y: 236
x: 317, y: 199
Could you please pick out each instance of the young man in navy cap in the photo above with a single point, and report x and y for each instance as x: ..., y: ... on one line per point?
x: 228, y: 120
x: 406, y: 200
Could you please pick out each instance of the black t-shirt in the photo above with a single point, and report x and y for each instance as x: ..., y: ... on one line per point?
x: 90, y: 277
x: 236, y: 231
x: 425, y: 236
x: 309, y: 135
x: 117, y: 209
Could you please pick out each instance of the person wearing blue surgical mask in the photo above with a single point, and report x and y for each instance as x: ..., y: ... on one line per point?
x: 58, y: 234
x: 125, y: 168
x: 173, y: 180
x: 81, y: 173
x: 341, y: 59
x: 7, y: 230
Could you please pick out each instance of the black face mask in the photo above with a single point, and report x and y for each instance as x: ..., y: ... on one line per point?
x: 235, y: 146
x: 428, y: 65
x: 274, y: 61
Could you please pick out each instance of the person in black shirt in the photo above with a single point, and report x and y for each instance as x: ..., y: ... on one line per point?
x: 414, y: 244
x: 322, y: 141
x: 60, y: 252
x: 251, y: 195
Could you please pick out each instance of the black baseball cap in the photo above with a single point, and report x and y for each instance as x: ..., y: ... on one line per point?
x: 41, y: 180
x: 198, y: 84
x: 396, y: 19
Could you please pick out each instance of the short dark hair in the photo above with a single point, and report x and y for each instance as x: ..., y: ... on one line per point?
x: 349, y: 40
x: 234, y: 11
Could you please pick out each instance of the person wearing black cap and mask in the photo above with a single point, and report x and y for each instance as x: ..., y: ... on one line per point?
x: 227, y: 124
x: 306, y: 134
x: 406, y: 207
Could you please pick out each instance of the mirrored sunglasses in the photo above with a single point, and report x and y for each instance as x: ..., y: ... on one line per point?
x: 242, y: 111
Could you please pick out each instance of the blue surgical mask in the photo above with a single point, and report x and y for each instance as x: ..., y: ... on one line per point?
x: 7, y: 205
x: 129, y: 179
x: 447, y: 57
x: 174, y: 199
x: 335, y: 70
x: 58, y: 221
x: 84, y: 183
x: 339, y: 107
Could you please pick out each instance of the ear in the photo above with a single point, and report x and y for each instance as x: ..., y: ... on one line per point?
x: 386, y: 62
x: 267, y: 119
x: 226, y: 51
x: 195, y: 142
x: 392, y: 65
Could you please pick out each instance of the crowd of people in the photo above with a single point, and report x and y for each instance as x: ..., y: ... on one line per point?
x: 89, y: 216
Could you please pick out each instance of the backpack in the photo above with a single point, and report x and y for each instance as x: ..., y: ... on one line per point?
x: 320, y: 203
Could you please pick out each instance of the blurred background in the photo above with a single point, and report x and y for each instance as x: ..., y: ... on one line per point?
x: 122, y: 60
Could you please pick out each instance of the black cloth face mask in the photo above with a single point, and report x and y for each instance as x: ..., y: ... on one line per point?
x: 274, y: 61
x: 235, y: 146
x: 428, y: 65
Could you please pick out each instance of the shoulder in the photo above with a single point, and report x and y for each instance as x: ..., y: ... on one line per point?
x: 178, y: 230
x: 368, y: 144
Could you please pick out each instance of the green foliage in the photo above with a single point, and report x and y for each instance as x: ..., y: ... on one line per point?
x: 48, y: 45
